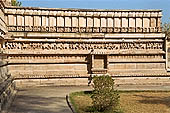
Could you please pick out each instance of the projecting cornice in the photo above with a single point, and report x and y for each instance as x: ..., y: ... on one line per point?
x: 76, y: 9
x: 82, y: 12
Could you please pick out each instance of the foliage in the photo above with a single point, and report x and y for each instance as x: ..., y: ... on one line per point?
x: 166, y: 29
x: 130, y: 102
x: 16, y: 3
x: 104, y: 96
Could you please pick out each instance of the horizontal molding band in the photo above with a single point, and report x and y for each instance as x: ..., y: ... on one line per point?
x: 141, y: 76
x: 138, y: 61
x: 79, y: 54
x: 88, y: 76
x: 73, y: 36
x: 83, y: 53
x: 50, y: 77
x: 59, y: 29
x: 30, y: 63
x: 86, y: 53
x: 52, y: 61
x: 76, y: 9
x: 84, y: 41
x: 88, y: 46
x: 79, y: 15
x: 63, y: 12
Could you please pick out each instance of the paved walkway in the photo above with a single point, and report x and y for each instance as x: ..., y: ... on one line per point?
x: 53, y: 99
x: 43, y: 99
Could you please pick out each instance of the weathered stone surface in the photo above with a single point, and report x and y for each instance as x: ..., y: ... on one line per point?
x: 71, y: 33
x: 48, y: 43
x: 121, y: 20
x: 51, y: 82
x: 7, y: 87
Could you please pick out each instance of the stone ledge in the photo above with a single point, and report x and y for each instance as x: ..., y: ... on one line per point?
x: 56, y: 29
x: 49, y: 76
x: 52, y: 82
x: 141, y: 75
x: 27, y: 36
x: 142, y: 81
x: 75, y: 9
x: 82, y: 12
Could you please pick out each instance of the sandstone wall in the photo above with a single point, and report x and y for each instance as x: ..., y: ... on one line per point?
x: 82, y: 20
x: 6, y: 81
x: 76, y: 43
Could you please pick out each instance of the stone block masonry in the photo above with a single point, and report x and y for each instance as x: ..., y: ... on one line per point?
x: 58, y: 43
x: 7, y: 86
x: 81, y: 42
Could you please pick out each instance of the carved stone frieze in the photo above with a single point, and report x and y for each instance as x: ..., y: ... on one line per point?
x: 84, y: 29
x: 131, y: 29
x: 75, y: 29
x: 146, y: 30
x: 52, y: 29
x: 37, y: 28
x: 136, y: 57
x: 22, y: 76
x: 29, y: 28
x: 12, y: 28
x: 103, y: 29
x: 139, y: 29
x: 68, y: 29
x: 60, y: 29
x: 117, y: 29
x: 124, y: 29
x: 83, y: 46
x: 48, y: 57
x: 96, y: 29
x: 45, y: 29
x: 20, y: 28
x: 89, y: 29
x: 110, y: 29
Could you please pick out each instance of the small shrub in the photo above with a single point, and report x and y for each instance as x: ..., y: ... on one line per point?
x: 104, y: 96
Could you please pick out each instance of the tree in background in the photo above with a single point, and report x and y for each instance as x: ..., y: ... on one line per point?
x: 166, y: 28
x: 16, y: 3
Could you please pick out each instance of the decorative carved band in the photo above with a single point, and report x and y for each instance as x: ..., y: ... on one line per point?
x: 136, y: 56
x: 99, y: 71
x: 33, y: 76
x: 20, y: 57
x: 84, y: 29
x: 84, y: 46
x: 104, y: 13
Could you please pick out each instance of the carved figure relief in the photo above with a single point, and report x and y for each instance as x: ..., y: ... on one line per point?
x: 83, y: 46
x: 83, y: 29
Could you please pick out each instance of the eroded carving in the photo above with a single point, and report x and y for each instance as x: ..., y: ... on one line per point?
x: 83, y: 46
x: 85, y: 29
x: 69, y: 57
x: 136, y: 57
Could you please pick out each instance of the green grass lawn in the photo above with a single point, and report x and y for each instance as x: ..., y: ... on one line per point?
x: 130, y: 102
